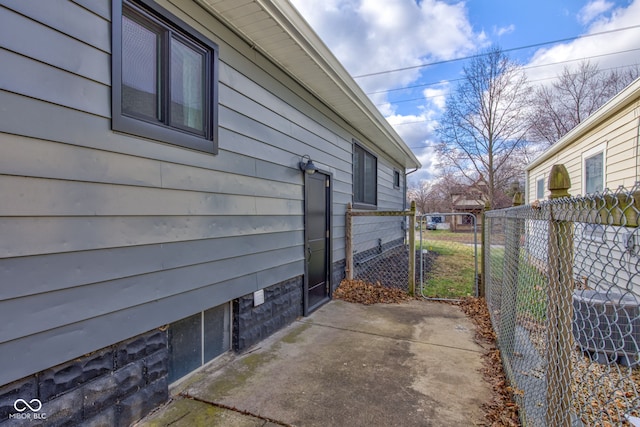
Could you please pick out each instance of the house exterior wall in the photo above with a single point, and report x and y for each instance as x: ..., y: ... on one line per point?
x: 612, y: 130
x: 617, y: 134
x: 105, y: 236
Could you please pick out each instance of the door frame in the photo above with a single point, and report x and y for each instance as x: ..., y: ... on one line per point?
x: 328, y: 244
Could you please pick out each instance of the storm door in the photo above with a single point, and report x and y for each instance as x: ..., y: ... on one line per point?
x: 317, y: 240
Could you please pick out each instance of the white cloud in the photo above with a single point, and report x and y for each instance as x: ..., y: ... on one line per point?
x: 500, y: 31
x: 372, y: 35
x: 418, y: 132
x: 437, y: 96
x: 593, y: 10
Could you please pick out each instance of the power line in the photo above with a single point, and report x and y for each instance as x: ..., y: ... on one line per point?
x: 524, y: 68
x: 436, y: 96
x: 446, y: 61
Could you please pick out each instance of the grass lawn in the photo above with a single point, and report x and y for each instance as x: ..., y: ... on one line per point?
x: 532, y: 292
x: 453, y: 273
x: 531, y: 299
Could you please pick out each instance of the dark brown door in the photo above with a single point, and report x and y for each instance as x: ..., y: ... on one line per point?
x: 317, y: 247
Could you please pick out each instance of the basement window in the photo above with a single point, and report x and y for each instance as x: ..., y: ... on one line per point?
x: 198, y: 339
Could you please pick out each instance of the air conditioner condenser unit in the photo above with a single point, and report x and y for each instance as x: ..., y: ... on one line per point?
x: 607, y: 325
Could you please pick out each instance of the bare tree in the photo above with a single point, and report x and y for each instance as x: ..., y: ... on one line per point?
x: 574, y: 96
x: 440, y: 197
x: 482, y: 128
x: 420, y: 193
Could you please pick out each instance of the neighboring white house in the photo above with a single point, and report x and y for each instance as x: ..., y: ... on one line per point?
x: 154, y: 210
x: 601, y: 152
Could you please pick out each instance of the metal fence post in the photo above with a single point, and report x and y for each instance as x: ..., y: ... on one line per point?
x: 348, y: 244
x: 559, y: 310
x: 483, y: 252
x: 412, y: 249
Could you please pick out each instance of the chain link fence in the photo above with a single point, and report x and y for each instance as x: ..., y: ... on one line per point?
x: 378, y: 248
x: 448, y: 262
x: 562, y: 281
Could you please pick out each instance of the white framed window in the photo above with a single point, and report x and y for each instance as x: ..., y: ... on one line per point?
x: 540, y: 188
x: 593, y: 170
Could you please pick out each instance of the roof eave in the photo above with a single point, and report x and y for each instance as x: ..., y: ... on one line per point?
x: 338, y: 91
x: 619, y: 101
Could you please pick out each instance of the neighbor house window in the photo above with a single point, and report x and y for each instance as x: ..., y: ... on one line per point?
x: 540, y: 188
x: 365, y: 176
x: 164, y: 77
x: 593, y: 171
x: 467, y: 219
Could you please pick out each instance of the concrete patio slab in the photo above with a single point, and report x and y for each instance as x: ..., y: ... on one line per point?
x: 411, y: 364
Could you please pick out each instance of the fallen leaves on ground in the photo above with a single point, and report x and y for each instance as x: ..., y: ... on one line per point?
x: 359, y: 291
x: 501, y: 410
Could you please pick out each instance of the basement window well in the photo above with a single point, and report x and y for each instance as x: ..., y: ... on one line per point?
x: 198, y: 339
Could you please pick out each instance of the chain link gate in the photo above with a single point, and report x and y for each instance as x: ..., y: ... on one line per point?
x: 448, y: 261
x: 380, y: 249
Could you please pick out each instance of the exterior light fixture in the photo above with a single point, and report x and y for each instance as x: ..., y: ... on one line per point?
x: 306, y: 165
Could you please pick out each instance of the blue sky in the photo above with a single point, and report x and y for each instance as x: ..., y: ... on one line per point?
x: 370, y: 36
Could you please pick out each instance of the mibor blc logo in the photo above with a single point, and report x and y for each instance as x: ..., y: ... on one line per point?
x: 28, y: 410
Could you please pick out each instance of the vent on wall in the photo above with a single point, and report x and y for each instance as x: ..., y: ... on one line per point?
x: 607, y: 326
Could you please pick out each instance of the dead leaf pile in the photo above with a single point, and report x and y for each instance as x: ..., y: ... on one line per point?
x: 501, y: 410
x: 361, y: 292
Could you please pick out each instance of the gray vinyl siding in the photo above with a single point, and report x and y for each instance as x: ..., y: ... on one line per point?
x: 369, y: 229
x: 103, y: 235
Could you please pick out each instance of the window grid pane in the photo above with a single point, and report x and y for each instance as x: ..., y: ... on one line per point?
x: 358, y: 181
x: 594, y: 173
x: 187, y: 87
x: 164, y: 78
x: 540, y: 189
x: 364, y: 176
x: 369, y: 179
x: 140, y: 47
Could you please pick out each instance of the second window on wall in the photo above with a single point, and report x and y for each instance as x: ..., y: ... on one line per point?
x: 365, y: 176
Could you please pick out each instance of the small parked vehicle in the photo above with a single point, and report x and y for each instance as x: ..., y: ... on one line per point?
x: 432, y: 225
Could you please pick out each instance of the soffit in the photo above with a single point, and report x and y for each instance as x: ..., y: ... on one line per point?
x: 277, y: 30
